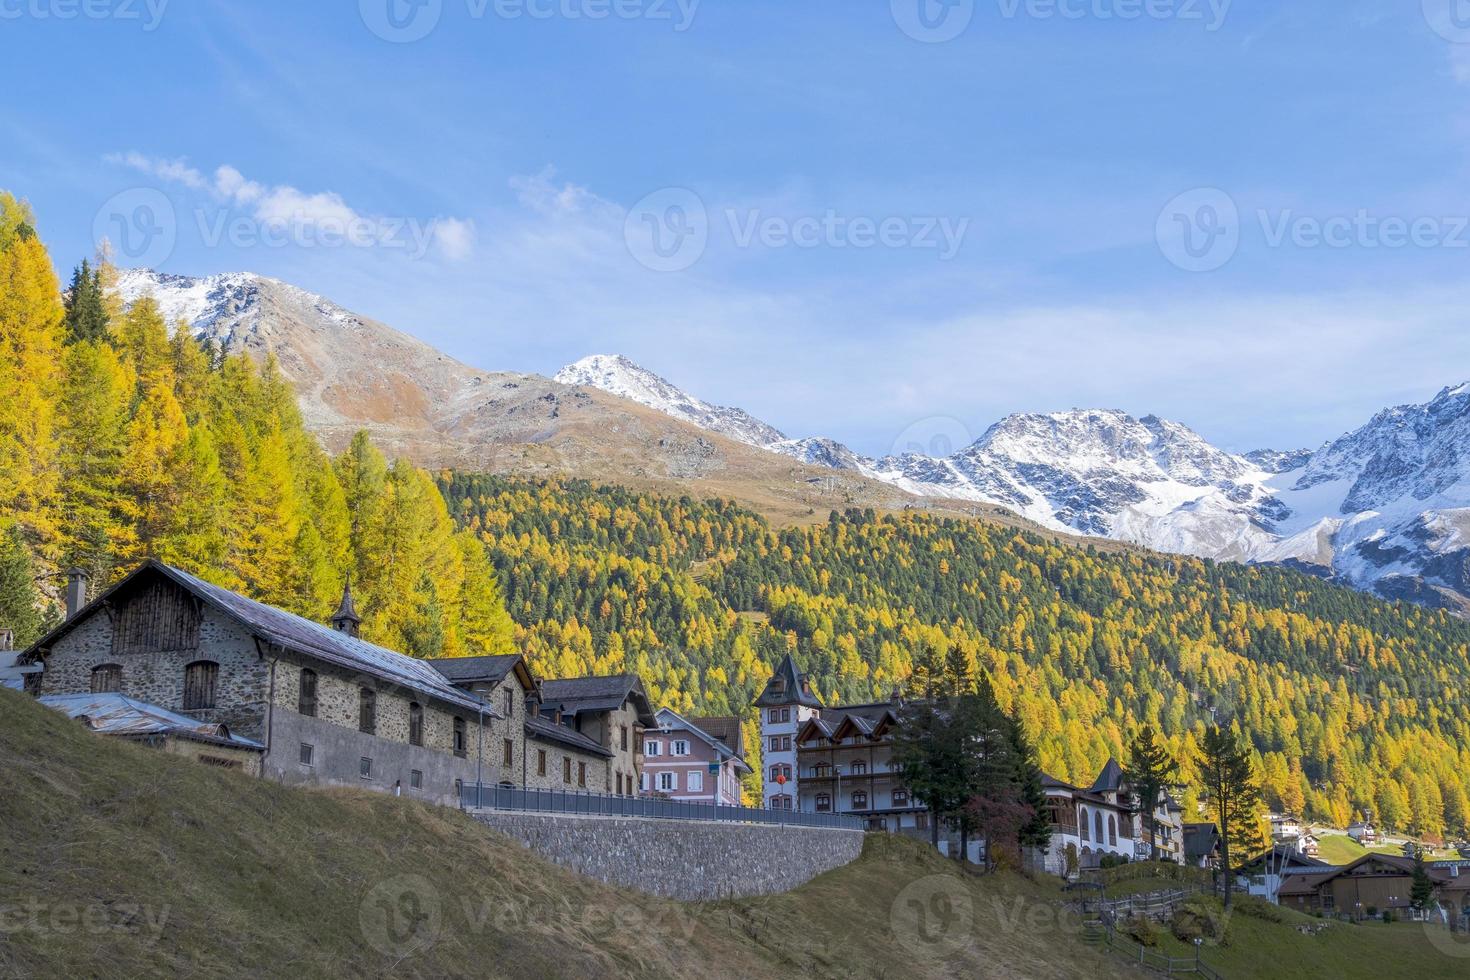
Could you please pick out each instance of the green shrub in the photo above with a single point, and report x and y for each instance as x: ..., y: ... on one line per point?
x: 1143, y: 931
x: 1200, y: 918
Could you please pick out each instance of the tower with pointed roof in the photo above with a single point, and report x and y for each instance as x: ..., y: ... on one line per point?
x: 786, y: 704
x: 345, y: 619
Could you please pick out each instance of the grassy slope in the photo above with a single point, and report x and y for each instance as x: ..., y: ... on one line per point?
x: 1373, y: 951
x: 247, y: 878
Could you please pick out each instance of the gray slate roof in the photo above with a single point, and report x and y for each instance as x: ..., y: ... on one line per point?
x: 472, y: 670
x: 114, y: 714
x: 577, y: 694
x: 548, y: 730
x: 787, y: 686
x: 295, y: 633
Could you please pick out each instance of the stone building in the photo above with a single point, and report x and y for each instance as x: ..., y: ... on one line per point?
x: 610, y: 713
x: 328, y: 707
x: 694, y: 760
x: 583, y: 738
x: 120, y: 717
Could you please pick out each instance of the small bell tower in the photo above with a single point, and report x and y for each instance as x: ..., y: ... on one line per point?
x: 345, y: 619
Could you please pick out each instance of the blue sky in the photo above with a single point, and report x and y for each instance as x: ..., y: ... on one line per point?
x: 821, y: 210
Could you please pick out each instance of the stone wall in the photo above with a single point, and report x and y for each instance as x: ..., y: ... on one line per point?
x: 686, y: 860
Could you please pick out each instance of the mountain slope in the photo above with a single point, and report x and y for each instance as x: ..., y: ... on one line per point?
x: 354, y: 373
x: 1385, y: 508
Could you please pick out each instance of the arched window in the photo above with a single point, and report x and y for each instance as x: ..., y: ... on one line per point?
x: 306, y: 702
x: 367, y: 711
x: 1082, y: 824
x: 415, y: 723
x: 107, y: 679
x: 1112, y: 830
x: 201, y: 678
x: 1097, y: 827
x: 860, y: 800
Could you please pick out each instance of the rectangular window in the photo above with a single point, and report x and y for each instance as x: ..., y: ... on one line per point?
x: 306, y: 702
x: 566, y: 769
x: 461, y: 743
x: 668, y: 782
x: 200, y: 681
x: 367, y: 711
x: 625, y: 738
x: 643, y: 782
x: 775, y: 715
x: 680, y: 747
x: 696, y: 782
x: 509, y: 755
x: 308, y: 753
x: 107, y: 679
x: 581, y: 774
x: 415, y: 724
x: 540, y: 762
x: 365, y: 768
x: 415, y: 779
x: 652, y: 747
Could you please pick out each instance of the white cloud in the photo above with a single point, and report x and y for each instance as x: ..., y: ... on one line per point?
x: 313, y: 218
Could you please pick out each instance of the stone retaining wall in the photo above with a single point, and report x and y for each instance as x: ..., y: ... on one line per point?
x: 683, y: 859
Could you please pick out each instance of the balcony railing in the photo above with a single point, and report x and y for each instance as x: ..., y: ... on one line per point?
x: 599, y: 805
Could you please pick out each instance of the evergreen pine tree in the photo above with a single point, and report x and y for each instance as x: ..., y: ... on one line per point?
x: 19, y: 601
x: 1149, y: 774
x: 1234, y: 796
x: 86, y: 311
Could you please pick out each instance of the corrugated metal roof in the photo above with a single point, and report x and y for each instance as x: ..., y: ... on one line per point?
x: 116, y: 714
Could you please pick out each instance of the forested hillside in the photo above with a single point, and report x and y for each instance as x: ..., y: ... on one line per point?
x: 703, y: 597
x: 121, y: 440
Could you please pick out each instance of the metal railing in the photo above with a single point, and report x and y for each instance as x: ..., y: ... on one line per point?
x: 1159, y: 962
x: 600, y: 805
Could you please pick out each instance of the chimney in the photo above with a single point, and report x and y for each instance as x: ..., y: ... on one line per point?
x: 345, y: 619
x: 76, y: 591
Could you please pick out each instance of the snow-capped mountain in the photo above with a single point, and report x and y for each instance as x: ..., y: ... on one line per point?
x: 617, y: 375
x: 1385, y: 508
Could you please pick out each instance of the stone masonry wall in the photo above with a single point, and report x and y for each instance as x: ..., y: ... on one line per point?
x: 685, y: 860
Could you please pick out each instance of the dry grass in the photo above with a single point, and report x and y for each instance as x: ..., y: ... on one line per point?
x: 119, y: 861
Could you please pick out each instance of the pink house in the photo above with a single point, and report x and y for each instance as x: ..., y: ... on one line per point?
x: 694, y: 760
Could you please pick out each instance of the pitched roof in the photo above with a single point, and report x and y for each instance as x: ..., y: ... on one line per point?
x: 295, y: 633
x: 787, y: 686
x: 726, y: 729
x: 1200, y: 840
x: 114, y: 714
x: 549, y: 731
x: 487, y: 670
x: 577, y: 694
x: 670, y: 719
x: 1110, y: 780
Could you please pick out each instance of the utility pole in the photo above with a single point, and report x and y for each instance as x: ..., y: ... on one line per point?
x: 480, y: 756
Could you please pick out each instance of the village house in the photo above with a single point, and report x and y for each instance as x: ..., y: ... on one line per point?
x: 1088, y: 824
x: 1201, y: 845
x: 1373, y: 884
x: 694, y: 760
x: 786, y: 704
x: 608, y: 714
x: 1363, y: 832
x: 327, y: 707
